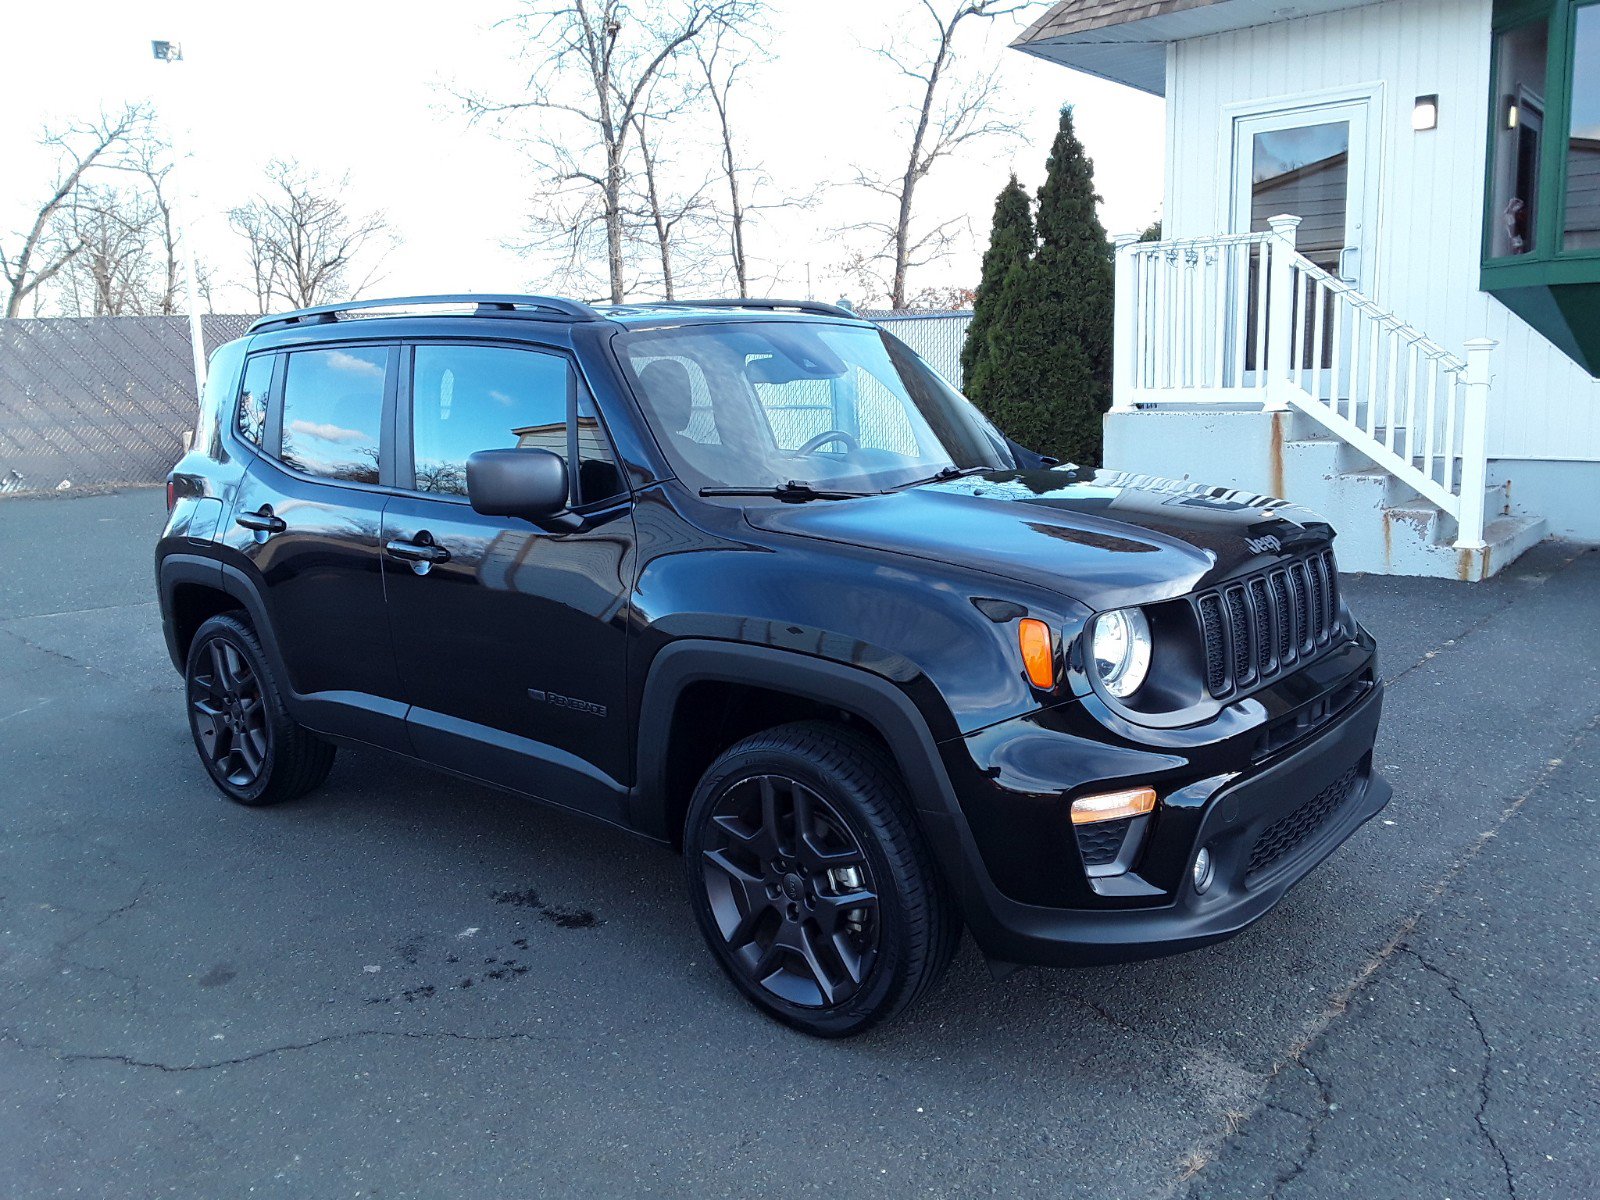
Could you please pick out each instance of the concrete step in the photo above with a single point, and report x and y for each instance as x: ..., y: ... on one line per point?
x: 1385, y: 526
x: 1419, y: 539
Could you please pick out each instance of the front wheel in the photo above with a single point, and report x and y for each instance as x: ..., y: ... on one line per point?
x: 811, y: 881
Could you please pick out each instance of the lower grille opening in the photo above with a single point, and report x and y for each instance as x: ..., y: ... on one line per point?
x: 1287, y: 833
x: 1101, y: 842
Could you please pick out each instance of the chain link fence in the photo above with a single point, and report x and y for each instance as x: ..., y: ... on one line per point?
x: 936, y: 336
x: 106, y: 401
x: 97, y: 401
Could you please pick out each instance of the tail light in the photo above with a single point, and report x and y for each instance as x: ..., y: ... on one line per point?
x: 172, y: 495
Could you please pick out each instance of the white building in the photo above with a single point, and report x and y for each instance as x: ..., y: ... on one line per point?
x: 1416, y: 355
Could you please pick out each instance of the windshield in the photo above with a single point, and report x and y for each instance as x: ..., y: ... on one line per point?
x: 844, y: 407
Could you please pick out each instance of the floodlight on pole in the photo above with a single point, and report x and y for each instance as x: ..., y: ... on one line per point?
x: 172, y: 52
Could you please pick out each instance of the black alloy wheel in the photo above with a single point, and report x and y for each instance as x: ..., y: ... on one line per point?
x: 792, y: 891
x: 811, y: 881
x: 229, y: 716
x: 252, y: 748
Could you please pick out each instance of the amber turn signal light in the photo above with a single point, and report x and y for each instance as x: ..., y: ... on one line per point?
x: 1038, y: 656
x: 1113, y: 806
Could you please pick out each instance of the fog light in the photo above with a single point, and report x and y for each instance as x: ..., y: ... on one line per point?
x: 1204, y: 872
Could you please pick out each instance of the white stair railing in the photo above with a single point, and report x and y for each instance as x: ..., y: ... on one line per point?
x: 1247, y: 317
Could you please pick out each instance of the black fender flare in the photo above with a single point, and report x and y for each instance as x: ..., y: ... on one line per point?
x: 872, y: 698
x: 176, y: 569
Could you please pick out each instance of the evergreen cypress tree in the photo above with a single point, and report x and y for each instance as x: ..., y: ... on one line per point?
x: 1046, y: 380
x: 1011, y: 243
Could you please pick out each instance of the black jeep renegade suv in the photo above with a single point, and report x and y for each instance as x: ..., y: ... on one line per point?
x: 749, y: 579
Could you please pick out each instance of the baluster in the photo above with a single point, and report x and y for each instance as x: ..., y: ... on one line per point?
x: 1318, y: 304
x: 1219, y: 321
x: 1411, y: 404
x: 1335, y: 351
x: 1433, y: 391
x: 1239, y: 309
x: 1301, y: 293
x: 1394, y: 370
x: 1356, y: 315
x: 1372, y: 368
x: 1448, y: 450
x: 1261, y: 313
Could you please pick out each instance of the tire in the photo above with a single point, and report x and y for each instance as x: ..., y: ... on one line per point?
x: 775, y: 909
x: 248, y: 743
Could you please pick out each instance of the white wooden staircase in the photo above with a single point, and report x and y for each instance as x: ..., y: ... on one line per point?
x: 1239, y: 361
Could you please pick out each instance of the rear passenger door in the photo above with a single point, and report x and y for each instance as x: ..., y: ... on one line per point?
x: 307, y: 522
x: 511, y: 640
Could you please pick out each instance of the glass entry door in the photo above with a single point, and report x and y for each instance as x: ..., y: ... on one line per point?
x: 1309, y: 162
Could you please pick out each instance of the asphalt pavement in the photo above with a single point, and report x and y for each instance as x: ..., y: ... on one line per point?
x: 406, y: 985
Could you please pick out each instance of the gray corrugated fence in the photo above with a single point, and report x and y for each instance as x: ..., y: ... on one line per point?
x: 936, y: 336
x: 97, y: 400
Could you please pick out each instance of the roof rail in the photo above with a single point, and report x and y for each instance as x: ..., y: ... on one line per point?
x: 483, y: 306
x: 820, y: 307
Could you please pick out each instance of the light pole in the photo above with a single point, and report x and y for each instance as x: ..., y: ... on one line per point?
x: 172, y: 53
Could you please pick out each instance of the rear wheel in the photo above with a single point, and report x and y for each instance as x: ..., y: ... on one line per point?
x: 250, y: 746
x: 812, y: 882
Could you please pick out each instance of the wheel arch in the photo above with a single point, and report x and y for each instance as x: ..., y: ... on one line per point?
x: 194, y: 588
x: 775, y: 686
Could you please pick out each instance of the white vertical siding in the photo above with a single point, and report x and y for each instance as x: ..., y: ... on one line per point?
x: 1430, y: 185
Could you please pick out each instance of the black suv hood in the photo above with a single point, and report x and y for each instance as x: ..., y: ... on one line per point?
x: 1104, y: 538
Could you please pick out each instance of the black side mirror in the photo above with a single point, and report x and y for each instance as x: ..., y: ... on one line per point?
x: 531, y: 484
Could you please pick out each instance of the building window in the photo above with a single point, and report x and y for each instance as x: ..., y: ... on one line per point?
x: 1581, y: 227
x: 1541, y: 220
x: 1520, y: 56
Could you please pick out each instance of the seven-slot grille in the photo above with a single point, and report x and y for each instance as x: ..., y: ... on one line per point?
x: 1260, y: 626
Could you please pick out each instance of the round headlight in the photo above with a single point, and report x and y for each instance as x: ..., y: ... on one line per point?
x: 1121, y: 650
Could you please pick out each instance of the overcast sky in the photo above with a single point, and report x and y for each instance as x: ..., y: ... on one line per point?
x: 367, y: 88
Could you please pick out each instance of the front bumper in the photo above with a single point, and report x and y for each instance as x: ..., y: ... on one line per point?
x: 1266, y: 828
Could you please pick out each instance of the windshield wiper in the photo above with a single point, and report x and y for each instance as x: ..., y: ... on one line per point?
x: 944, y: 473
x: 796, y: 491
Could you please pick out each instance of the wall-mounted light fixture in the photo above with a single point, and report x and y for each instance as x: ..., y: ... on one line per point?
x: 1512, y: 116
x: 1425, y: 113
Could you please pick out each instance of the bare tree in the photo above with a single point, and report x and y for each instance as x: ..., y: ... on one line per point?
x: 304, y: 246
x: 46, y: 248
x: 113, y: 272
x: 151, y: 159
x: 944, y: 116
x: 595, y: 64
x: 719, y: 86
x: 672, y: 219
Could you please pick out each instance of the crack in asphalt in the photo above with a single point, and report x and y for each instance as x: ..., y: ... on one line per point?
x: 1453, y: 986
x: 1313, y: 1124
x: 128, y: 1060
x: 1339, y: 1003
x: 1473, y: 627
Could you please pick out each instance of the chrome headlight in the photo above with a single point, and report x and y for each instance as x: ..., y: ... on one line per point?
x: 1120, y: 648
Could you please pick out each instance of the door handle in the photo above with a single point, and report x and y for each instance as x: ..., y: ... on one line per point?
x: 263, y: 521
x: 417, y: 551
x: 1349, y: 263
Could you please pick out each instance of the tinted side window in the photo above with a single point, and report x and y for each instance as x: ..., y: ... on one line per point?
x: 252, y: 420
x: 470, y: 398
x: 333, y: 412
